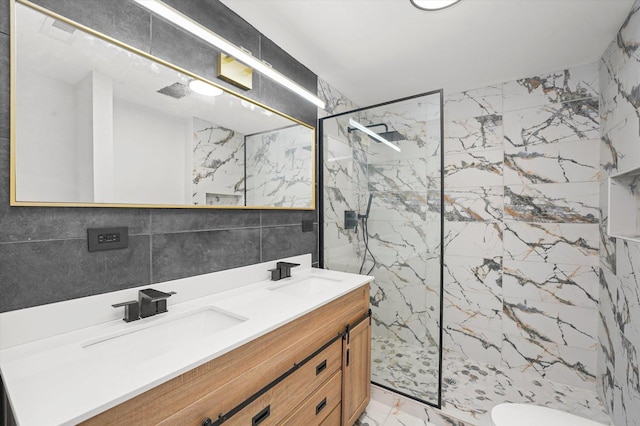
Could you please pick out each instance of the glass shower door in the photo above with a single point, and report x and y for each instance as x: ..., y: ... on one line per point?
x: 381, y: 209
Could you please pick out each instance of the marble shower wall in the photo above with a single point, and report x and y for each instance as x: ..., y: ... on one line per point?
x: 619, y: 266
x: 344, y: 186
x: 403, y: 232
x: 521, y: 184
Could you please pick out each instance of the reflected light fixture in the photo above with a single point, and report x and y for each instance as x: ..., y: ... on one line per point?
x: 373, y: 134
x: 229, y: 48
x: 205, y: 89
x: 433, y: 4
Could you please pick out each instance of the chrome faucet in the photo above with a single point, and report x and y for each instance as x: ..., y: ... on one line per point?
x: 150, y: 302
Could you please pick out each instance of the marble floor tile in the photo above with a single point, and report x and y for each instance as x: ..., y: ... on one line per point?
x: 470, y: 389
x: 410, y: 369
x: 400, y: 418
x: 374, y: 415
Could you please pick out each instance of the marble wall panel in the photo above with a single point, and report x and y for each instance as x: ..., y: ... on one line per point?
x: 607, y: 249
x: 619, y: 320
x: 478, y: 204
x: 558, y: 323
x: 395, y: 176
x: 606, y: 351
x: 540, y: 213
x: 552, y: 163
x: 337, y: 200
x: 571, y: 285
x: 434, y: 173
x: 619, y: 74
x: 560, y: 86
x: 335, y: 101
x: 475, y: 133
x: 478, y: 168
x: 474, y: 343
x: 562, y: 364
x: 473, y: 103
x: 562, y: 203
x: 473, y: 239
x: 620, y: 149
x: 405, y: 206
x: 551, y: 242
x: 552, y: 123
x: 628, y: 271
x: 472, y: 309
x: 397, y: 242
x: 475, y: 274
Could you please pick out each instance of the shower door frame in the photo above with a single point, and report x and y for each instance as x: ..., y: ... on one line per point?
x: 320, y: 204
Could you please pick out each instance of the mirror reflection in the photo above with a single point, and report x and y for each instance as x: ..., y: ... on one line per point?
x: 97, y: 123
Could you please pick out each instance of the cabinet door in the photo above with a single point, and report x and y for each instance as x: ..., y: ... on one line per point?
x: 356, y: 370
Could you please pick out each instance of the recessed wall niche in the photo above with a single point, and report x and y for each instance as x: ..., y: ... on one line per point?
x: 624, y: 205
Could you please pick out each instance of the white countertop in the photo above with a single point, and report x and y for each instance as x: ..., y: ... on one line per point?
x: 53, y: 377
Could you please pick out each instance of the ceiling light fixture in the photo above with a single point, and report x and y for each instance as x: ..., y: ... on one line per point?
x: 205, y: 89
x: 373, y: 134
x: 214, y: 39
x: 433, y: 4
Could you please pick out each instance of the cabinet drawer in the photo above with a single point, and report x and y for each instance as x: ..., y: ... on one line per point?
x: 334, y: 418
x: 319, y: 405
x: 273, y: 406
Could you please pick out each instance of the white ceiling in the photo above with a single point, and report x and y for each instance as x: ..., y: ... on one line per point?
x: 379, y: 50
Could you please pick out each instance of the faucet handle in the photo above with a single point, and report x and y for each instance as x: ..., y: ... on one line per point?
x: 285, y: 268
x: 289, y: 264
x: 276, y: 274
x: 154, y: 295
x: 131, y: 310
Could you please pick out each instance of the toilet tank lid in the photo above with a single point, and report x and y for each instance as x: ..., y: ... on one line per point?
x: 509, y: 414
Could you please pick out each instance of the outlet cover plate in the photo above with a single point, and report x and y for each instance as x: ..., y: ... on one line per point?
x: 307, y: 226
x: 99, y: 239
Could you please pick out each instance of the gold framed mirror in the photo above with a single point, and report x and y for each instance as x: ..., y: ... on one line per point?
x: 96, y: 122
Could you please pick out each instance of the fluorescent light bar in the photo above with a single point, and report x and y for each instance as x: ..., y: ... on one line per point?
x: 373, y: 134
x: 212, y: 38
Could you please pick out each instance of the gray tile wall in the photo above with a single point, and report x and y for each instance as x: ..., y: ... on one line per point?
x: 43, y: 254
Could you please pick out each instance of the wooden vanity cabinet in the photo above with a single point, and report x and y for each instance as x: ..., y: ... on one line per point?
x: 356, y: 372
x: 296, y: 374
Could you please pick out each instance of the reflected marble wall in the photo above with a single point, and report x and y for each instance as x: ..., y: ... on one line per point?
x: 619, y: 261
x: 279, y: 167
x: 218, y: 165
x: 521, y: 210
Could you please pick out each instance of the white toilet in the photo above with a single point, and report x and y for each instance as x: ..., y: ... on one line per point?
x: 510, y: 414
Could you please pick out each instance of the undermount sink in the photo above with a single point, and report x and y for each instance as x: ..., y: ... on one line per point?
x: 162, y: 335
x: 306, y: 287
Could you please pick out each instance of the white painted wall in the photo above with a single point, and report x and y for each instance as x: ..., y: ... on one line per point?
x: 148, y: 146
x: 46, y: 153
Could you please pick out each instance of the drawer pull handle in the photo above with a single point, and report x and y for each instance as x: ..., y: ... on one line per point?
x: 321, y: 367
x: 261, y: 416
x: 320, y: 406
